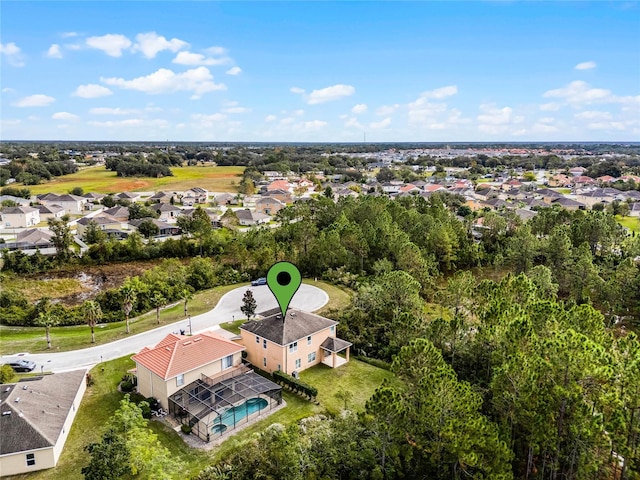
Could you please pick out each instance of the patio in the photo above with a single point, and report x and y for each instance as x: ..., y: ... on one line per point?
x: 331, y: 347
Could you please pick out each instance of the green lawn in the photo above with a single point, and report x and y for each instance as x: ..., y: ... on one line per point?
x: 32, y: 340
x: 101, y: 180
x: 632, y: 223
x: 102, y: 399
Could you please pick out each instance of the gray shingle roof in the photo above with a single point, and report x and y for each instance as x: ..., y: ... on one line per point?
x: 36, y: 420
x: 298, y: 325
x: 334, y: 344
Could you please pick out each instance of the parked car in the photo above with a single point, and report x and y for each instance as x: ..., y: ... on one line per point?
x: 22, y: 365
x: 259, y: 281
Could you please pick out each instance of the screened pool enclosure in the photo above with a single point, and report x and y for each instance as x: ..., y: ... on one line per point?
x: 212, y: 407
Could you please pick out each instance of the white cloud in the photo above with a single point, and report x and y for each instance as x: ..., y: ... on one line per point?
x: 580, y: 93
x: 606, y: 126
x: 8, y: 90
x: 381, y: 124
x: 150, y: 44
x: 593, y: 115
x: 234, y: 71
x: 216, y: 50
x: 198, y: 80
x: 65, y: 116
x: 329, y: 94
x: 69, y: 34
x: 491, y: 115
x: 270, y: 118
x: 189, y: 58
x: 35, y: 101
x: 585, y: 66
x: 385, y: 110
x: 12, y: 53
x: 439, y: 93
x: 296, y: 90
x: 131, y: 122
x: 54, y: 51
x: 91, y: 90
x: 110, y: 111
x: 550, y: 107
x: 111, y: 44
x: 359, y: 109
x: 237, y: 110
x: 205, y: 120
x: 352, y: 122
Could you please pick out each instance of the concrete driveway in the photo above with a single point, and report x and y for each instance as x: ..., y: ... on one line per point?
x: 308, y: 298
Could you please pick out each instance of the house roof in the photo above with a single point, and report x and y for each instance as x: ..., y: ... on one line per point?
x: 38, y: 409
x: 158, y: 223
x: 118, y: 211
x: 35, y: 236
x: 17, y: 210
x: 69, y: 198
x: 279, y: 185
x: 297, y: 325
x: 102, y: 219
x: 177, y: 354
x: 50, y: 209
x: 334, y: 344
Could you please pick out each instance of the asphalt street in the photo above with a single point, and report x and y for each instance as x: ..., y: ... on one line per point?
x: 308, y: 298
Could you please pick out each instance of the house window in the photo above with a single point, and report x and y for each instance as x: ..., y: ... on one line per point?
x: 264, y: 343
x: 333, y: 329
x: 293, y: 347
x: 311, y: 357
x: 298, y: 363
x: 309, y: 340
x: 264, y: 361
x: 279, y: 367
x: 227, y: 362
x: 180, y: 380
x: 31, y: 459
x: 257, y: 339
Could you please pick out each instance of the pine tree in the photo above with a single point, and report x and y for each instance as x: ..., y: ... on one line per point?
x: 248, y: 304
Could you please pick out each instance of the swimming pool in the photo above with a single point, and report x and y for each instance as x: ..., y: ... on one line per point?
x: 238, y: 412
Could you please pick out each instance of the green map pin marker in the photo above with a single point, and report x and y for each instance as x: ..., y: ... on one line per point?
x: 284, y: 279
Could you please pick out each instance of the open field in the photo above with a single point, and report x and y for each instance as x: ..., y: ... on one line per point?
x: 32, y: 339
x: 632, y: 223
x: 101, y: 180
x: 102, y: 399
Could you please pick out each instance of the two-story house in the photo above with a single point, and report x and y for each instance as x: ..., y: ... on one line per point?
x: 295, y: 343
x: 19, y: 217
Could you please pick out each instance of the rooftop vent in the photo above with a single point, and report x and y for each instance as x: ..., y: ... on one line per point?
x: 197, y: 339
x: 24, y: 388
x: 293, y: 314
x: 8, y: 389
x: 8, y: 412
x: 188, y: 342
x: 17, y: 399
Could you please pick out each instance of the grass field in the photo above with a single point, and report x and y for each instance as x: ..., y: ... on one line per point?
x: 101, y: 180
x: 32, y: 340
x: 632, y: 223
x: 102, y: 399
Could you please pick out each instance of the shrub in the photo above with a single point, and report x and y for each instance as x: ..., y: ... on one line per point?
x: 126, y: 387
x: 295, y: 385
x: 376, y: 362
x: 6, y: 374
x: 186, y: 429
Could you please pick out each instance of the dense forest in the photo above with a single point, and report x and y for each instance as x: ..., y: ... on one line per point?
x: 514, y: 353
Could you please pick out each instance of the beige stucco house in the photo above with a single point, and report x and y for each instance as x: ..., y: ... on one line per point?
x: 293, y: 344
x: 36, y: 419
x: 19, y: 217
x: 179, y: 360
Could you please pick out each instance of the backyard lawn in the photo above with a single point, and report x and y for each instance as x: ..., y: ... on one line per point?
x: 102, y: 399
x: 632, y: 223
x: 101, y: 180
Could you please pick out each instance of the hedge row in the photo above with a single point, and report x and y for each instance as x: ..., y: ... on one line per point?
x: 295, y: 385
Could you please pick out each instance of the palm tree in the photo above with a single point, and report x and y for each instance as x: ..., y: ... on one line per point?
x: 186, y: 295
x: 158, y: 301
x: 129, y: 297
x: 92, y: 315
x: 47, y: 320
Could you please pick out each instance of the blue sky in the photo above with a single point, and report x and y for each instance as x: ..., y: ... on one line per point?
x: 320, y: 71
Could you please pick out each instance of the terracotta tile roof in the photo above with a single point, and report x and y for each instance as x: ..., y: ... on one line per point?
x: 176, y: 354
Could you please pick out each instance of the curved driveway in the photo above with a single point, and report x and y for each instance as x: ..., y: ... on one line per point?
x: 308, y: 298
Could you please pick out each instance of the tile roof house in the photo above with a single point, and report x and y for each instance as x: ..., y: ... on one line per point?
x: 179, y: 360
x: 36, y: 419
x: 300, y: 341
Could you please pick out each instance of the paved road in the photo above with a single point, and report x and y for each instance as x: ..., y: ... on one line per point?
x: 307, y: 298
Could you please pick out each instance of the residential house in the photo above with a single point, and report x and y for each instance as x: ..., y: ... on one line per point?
x: 548, y: 195
x: 577, y: 171
x: 408, y: 188
x: 118, y: 212
x: 280, y: 185
x: 214, y: 217
x: 50, y: 211
x: 93, y: 197
x: 72, y: 204
x: 634, y: 211
x: 161, y: 197
x: 19, y: 217
x: 592, y: 197
x: 167, y: 212
x: 195, y: 195
x: 179, y: 360
x: 37, y: 416
x: 294, y: 343
x: 582, y: 180
x: 247, y: 217
x: 559, y: 180
x: 568, y: 203
x: 32, y: 240
x: 269, y: 205
x: 606, y: 179
x: 282, y: 195
x: 225, y: 199
x: 164, y: 229
x: 104, y: 221
x: 19, y: 201
x: 130, y: 196
x: 390, y: 188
